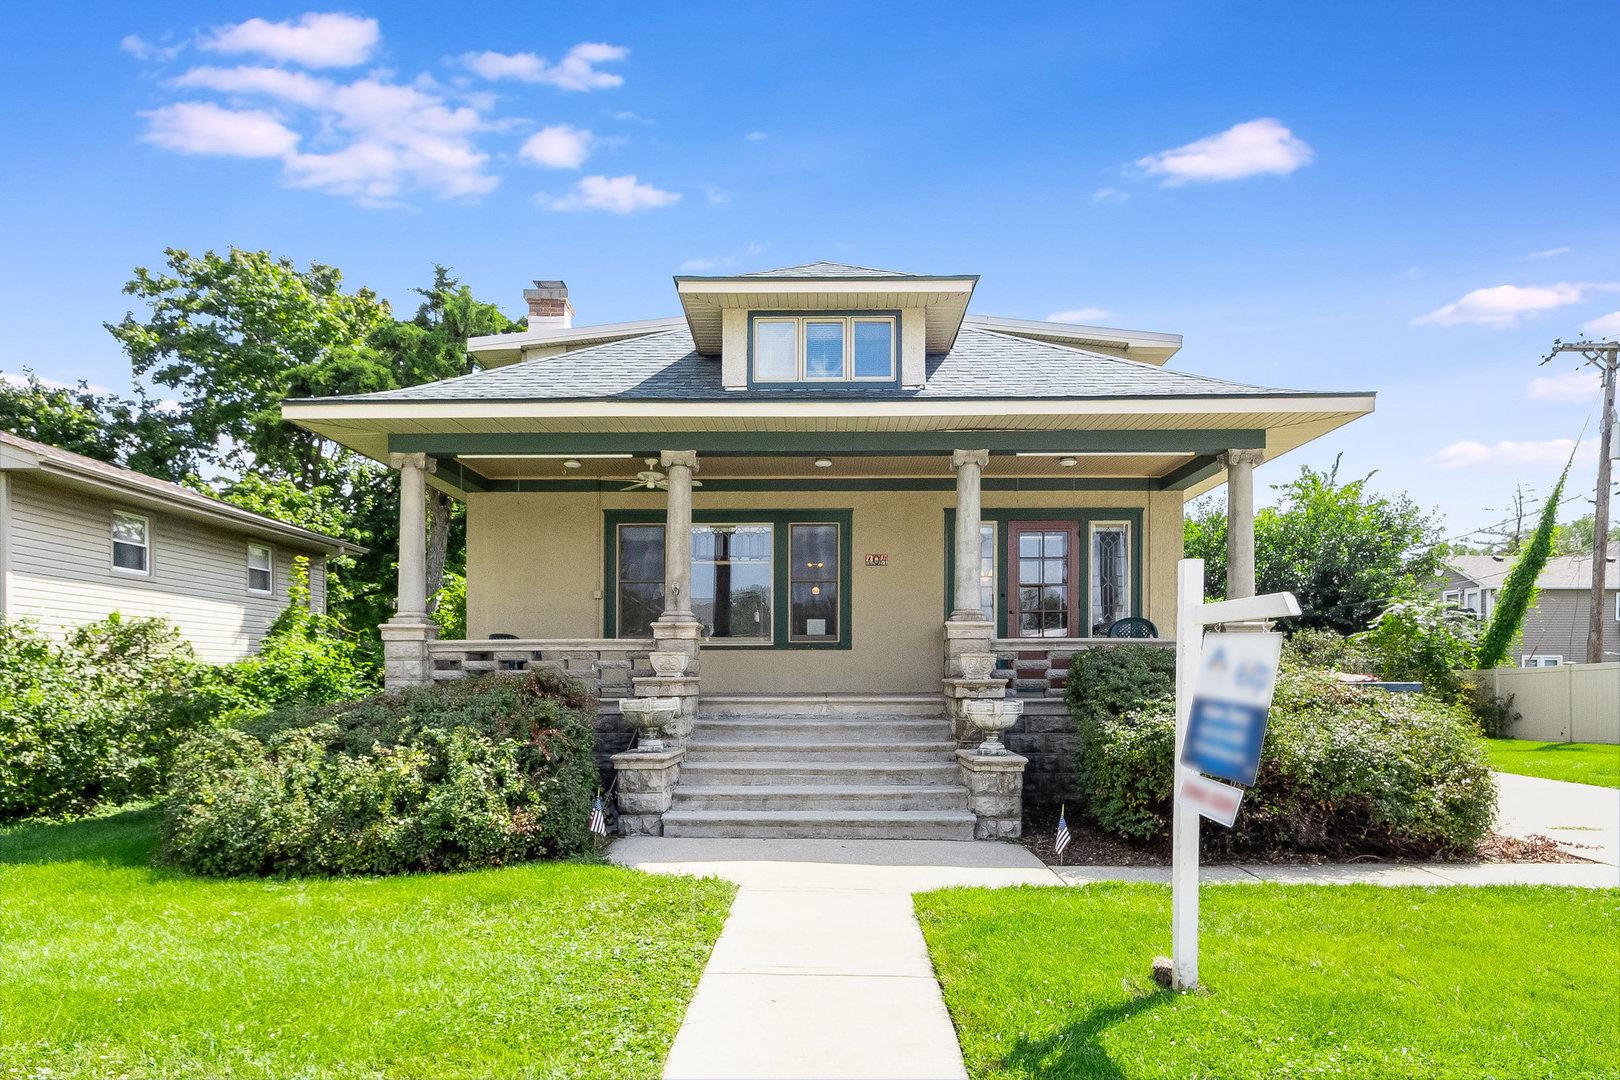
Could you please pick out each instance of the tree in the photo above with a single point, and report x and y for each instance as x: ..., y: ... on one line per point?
x: 1519, y: 587
x: 107, y: 427
x: 1574, y: 537
x: 1344, y: 551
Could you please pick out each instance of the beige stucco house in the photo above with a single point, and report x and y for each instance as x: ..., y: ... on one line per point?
x: 80, y: 539
x: 821, y: 486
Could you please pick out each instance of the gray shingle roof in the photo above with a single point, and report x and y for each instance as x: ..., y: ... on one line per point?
x: 665, y: 367
x: 825, y: 269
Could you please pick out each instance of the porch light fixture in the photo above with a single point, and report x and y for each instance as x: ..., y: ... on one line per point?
x: 571, y: 463
x: 1068, y: 462
x: 823, y: 463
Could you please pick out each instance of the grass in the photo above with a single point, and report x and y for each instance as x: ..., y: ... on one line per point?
x: 1577, y: 762
x: 1302, y: 981
x: 115, y: 967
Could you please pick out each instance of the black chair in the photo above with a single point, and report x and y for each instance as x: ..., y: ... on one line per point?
x: 508, y: 665
x: 1133, y: 628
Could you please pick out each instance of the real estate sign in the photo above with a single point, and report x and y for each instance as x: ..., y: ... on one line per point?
x: 1230, y: 704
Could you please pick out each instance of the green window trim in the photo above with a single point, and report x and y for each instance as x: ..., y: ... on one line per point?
x: 781, y: 586
x: 1086, y: 517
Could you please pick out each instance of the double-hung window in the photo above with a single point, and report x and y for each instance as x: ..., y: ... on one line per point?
x: 814, y: 349
x: 131, y: 544
x: 258, y: 569
x: 813, y: 573
x: 731, y: 582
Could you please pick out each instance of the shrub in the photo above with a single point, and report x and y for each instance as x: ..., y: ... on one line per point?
x: 482, y: 772
x: 1344, y: 770
x: 1419, y: 638
x: 83, y: 722
x: 1107, y: 683
x: 1494, y: 715
x: 1325, y: 650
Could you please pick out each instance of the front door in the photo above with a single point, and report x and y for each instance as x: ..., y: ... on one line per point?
x: 1044, y: 600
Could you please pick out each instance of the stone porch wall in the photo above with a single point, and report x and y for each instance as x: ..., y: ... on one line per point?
x: 606, y: 666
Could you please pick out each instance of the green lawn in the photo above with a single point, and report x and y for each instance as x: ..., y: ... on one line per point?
x: 1578, y: 762
x: 113, y: 967
x: 1303, y: 981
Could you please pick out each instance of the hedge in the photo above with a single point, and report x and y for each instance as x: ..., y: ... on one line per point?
x: 476, y: 773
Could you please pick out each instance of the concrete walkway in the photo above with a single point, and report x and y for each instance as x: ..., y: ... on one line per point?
x: 821, y: 970
x: 1583, y: 818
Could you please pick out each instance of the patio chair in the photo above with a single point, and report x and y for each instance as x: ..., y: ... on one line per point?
x: 509, y: 665
x: 1133, y: 628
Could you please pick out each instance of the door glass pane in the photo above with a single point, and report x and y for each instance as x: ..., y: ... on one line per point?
x: 1110, y: 577
x: 1057, y: 544
x: 987, y: 571
x: 813, y: 596
x: 776, y: 349
x: 641, y: 578
x: 824, y: 350
x: 1056, y: 570
x: 874, y: 350
x: 731, y: 581
x: 1029, y: 545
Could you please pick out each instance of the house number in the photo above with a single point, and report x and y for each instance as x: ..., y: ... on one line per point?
x: 877, y: 560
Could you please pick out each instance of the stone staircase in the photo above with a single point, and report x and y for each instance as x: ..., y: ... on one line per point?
x: 878, y: 767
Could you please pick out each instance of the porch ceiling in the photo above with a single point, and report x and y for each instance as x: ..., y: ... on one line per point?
x: 841, y: 467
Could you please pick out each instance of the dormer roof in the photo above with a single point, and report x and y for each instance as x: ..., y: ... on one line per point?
x: 826, y: 286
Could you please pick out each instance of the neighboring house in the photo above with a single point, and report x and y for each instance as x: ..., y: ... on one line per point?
x: 1555, y: 628
x: 80, y: 539
x: 773, y: 486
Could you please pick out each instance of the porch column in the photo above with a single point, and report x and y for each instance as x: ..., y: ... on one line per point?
x: 406, y: 659
x: 677, y: 630
x: 969, y: 466
x: 680, y: 465
x: 1240, y: 521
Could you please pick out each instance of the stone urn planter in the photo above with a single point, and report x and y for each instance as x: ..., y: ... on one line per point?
x: 977, y: 665
x: 648, y: 716
x: 992, y: 717
x: 668, y: 664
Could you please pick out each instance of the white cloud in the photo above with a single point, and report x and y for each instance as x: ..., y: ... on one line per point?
x: 54, y: 384
x: 315, y: 40
x: 1501, y: 306
x: 576, y: 70
x: 721, y: 262
x: 755, y: 136
x: 1568, y: 386
x: 1108, y: 194
x: 196, y: 127
x: 1604, y: 326
x: 1247, y: 149
x: 1549, y: 253
x: 141, y: 49
x: 1078, y: 315
x: 618, y: 195
x: 560, y: 146
x: 1470, y: 454
x: 293, y: 86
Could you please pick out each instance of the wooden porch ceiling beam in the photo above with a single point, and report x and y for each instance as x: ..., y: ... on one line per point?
x: 1200, y: 441
x: 1196, y: 471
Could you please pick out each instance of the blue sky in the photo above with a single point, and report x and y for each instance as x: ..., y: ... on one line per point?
x: 1408, y: 198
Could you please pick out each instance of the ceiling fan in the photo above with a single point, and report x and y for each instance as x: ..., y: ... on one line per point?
x: 650, y: 478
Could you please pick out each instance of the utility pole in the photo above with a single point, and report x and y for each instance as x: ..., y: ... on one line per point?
x: 1605, y: 356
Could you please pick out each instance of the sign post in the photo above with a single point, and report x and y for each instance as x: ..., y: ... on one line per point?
x: 1221, y: 711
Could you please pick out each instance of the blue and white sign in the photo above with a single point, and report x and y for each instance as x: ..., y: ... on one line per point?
x: 1230, y: 704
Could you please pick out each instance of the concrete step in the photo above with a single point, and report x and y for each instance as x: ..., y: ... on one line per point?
x: 819, y: 750
x: 838, y: 728
x: 799, y: 705
x: 755, y: 797
x: 863, y: 773
x: 823, y: 824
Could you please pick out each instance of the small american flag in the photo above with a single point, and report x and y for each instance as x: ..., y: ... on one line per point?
x: 598, y: 818
x: 1062, y: 833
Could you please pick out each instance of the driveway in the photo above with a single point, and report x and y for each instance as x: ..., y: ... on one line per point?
x: 1582, y: 818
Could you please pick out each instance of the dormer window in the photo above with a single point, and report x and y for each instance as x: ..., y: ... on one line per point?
x: 857, y: 348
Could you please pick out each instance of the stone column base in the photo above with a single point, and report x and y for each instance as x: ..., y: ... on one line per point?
x: 683, y: 688
x: 962, y: 636
x: 406, y: 661
x: 958, y: 692
x: 995, y: 784
x: 679, y: 637
x: 646, y: 785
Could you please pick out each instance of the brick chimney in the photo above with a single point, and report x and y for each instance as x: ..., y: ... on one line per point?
x: 549, y: 308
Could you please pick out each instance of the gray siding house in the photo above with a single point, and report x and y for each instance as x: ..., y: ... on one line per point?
x: 80, y: 539
x: 1555, y: 628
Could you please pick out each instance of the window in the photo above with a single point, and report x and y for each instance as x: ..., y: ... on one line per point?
x: 259, y: 580
x: 131, y: 544
x: 813, y: 583
x: 1540, y: 660
x: 1471, y: 601
x: 1110, y: 576
x: 731, y: 582
x: 825, y: 348
x: 1452, y: 598
x: 641, y: 578
x: 987, y: 570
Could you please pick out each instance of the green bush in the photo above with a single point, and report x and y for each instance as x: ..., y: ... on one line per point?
x: 83, y: 721
x: 1326, y: 650
x: 1345, y: 770
x: 1105, y: 684
x: 481, y: 772
x: 1418, y: 638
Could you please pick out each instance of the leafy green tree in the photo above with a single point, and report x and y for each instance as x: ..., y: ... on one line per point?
x: 1342, y: 549
x: 1519, y: 587
x: 1574, y: 537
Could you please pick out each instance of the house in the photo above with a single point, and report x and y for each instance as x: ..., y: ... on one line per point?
x: 80, y: 539
x: 807, y: 498
x: 1556, y: 627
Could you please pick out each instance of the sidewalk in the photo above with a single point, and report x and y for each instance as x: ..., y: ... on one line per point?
x: 821, y: 970
x: 1571, y: 814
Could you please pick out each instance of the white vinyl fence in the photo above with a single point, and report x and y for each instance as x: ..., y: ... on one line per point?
x: 1568, y: 703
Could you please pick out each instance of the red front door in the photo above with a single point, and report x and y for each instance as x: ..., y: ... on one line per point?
x: 1043, y: 597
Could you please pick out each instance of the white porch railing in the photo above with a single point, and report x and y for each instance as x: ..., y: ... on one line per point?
x: 1041, y: 665
x: 604, y: 665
